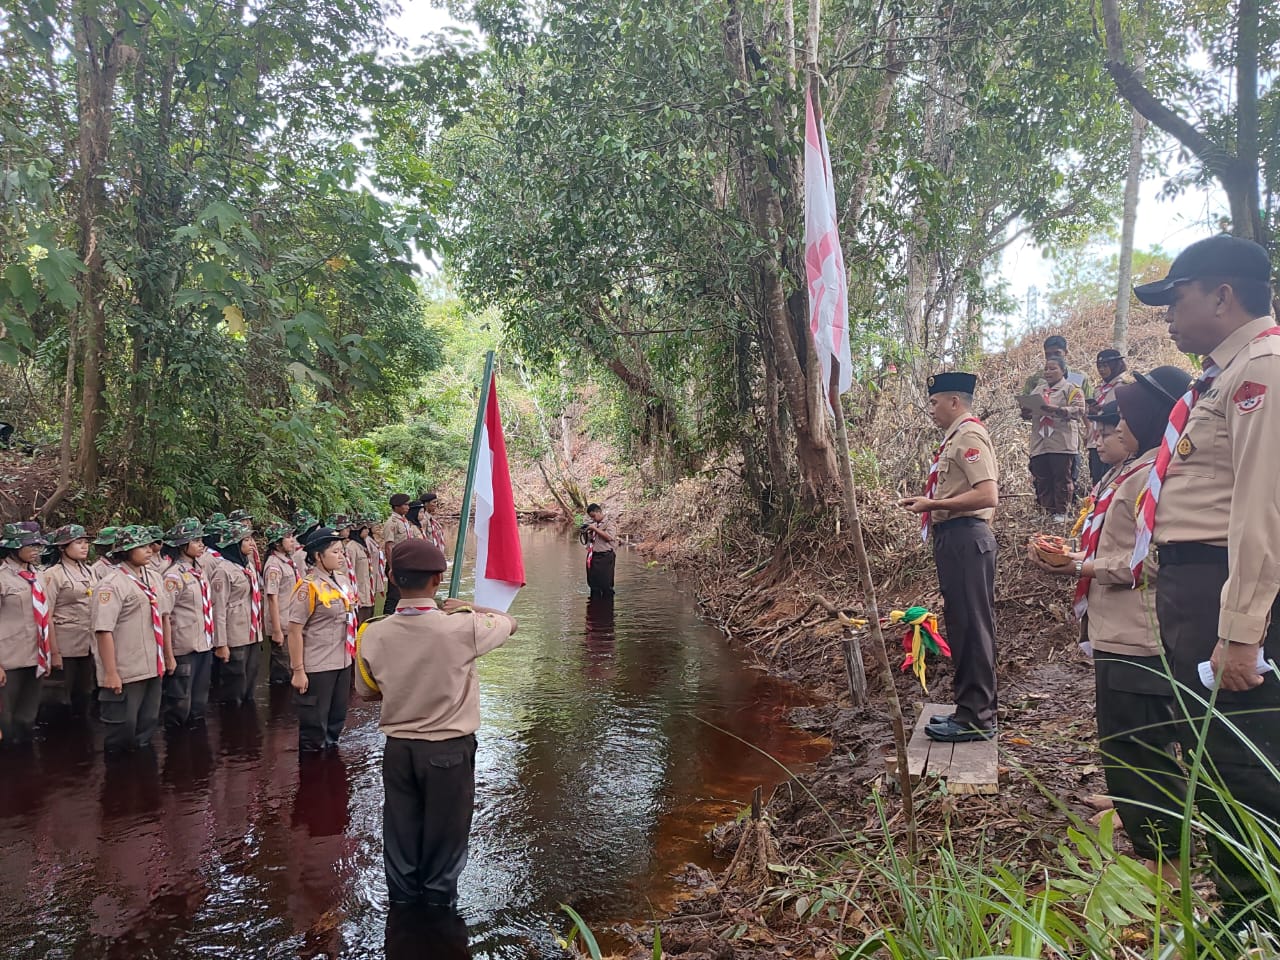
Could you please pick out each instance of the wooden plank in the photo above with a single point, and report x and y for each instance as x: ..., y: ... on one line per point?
x: 920, y: 748
x: 939, y: 753
x: 975, y: 768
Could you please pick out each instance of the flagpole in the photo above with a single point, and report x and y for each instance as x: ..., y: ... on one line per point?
x: 455, y: 579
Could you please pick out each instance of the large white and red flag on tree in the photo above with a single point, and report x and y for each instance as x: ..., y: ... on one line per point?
x: 499, y: 561
x: 823, y: 260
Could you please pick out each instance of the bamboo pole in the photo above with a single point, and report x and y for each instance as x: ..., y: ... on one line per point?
x: 854, y: 515
x: 464, y: 514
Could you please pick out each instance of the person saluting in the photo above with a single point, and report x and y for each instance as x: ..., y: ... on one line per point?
x: 1211, y: 507
x: 960, y: 498
x: 421, y: 663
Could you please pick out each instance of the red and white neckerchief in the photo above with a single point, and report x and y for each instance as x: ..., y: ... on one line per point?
x: 40, y: 613
x: 206, y: 604
x: 1046, y: 419
x: 931, y: 482
x: 297, y: 577
x: 414, y: 611
x: 255, y: 602
x: 349, y: 601
x: 437, y: 532
x: 1092, y: 532
x: 1178, y: 417
x: 156, y: 626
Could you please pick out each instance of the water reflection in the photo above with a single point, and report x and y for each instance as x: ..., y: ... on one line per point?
x: 599, y: 751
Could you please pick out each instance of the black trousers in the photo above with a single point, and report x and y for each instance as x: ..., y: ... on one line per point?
x: 1187, y: 606
x: 322, y: 710
x: 964, y: 551
x: 600, y: 573
x: 430, y: 788
x: 392, y: 598
x: 1136, y: 734
x: 1052, y: 475
x: 130, y: 716
x: 19, y: 704
x: 185, y: 695
x: 239, y: 675
x: 280, y: 671
x: 72, y: 686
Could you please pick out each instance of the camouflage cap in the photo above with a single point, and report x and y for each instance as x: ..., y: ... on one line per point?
x: 184, y: 531
x: 337, y: 521
x: 303, y: 520
x: 66, y: 533
x: 277, y: 531
x: 17, y: 535
x: 216, y: 518
x: 239, y: 516
x: 131, y: 537
x: 232, y: 533
x: 107, y: 536
x: 157, y: 534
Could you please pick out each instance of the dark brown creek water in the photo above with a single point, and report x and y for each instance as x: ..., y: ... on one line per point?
x: 609, y: 746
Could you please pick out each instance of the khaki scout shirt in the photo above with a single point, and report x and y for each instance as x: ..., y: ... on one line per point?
x: 102, y: 568
x: 300, y: 560
x: 69, y: 587
x: 320, y: 604
x: 186, y: 607
x: 364, y: 573
x: 600, y: 544
x: 19, y: 640
x: 237, y: 623
x: 966, y: 460
x: 123, y: 609
x: 424, y: 663
x: 1221, y: 486
x: 377, y: 574
x: 279, y: 577
x: 1121, y: 619
x: 1065, y: 437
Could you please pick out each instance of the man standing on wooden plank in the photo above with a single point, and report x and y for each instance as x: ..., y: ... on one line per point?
x: 959, y: 502
x: 1212, y: 510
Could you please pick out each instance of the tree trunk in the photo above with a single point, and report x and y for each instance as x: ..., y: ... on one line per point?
x: 1133, y: 179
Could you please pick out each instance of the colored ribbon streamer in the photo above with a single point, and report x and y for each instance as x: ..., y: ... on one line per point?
x: 922, y: 637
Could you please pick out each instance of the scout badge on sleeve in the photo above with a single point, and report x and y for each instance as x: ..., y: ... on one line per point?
x: 1249, y: 397
x: 922, y: 637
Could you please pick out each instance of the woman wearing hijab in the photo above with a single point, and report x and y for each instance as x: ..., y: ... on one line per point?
x: 193, y: 626
x: 365, y: 535
x: 1135, y: 700
x: 69, y: 581
x: 1111, y: 368
x: 1055, y: 438
x: 322, y: 631
x: 242, y: 614
x: 28, y: 647
x: 131, y: 648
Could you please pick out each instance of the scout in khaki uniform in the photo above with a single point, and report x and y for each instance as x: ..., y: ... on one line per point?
x: 432, y: 527
x: 960, y: 498
x: 69, y: 582
x: 377, y: 565
x: 1111, y: 368
x: 280, y: 575
x: 601, y: 535
x: 158, y: 562
x: 1055, y: 439
x: 1212, y: 509
x: 28, y: 646
x: 193, y: 630
x: 251, y: 544
x: 241, y: 591
x: 421, y: 663
x: 130, y: 650
x: 322, y: 626
x: 1135, y: 700
x: 397, y: 529
x: 103, y: 543
x: 304, y: 524
x: 352, y: 553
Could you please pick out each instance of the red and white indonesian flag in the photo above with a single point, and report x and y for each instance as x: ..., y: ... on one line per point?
x: 499, y: 562
x: 823, y: 261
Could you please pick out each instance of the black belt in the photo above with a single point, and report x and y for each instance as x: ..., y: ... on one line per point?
x: 1178, y: 554
x: 957, y: 522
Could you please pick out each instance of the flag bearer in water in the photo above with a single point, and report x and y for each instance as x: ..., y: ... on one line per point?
x: 959, y: 502
x: 421, y: 663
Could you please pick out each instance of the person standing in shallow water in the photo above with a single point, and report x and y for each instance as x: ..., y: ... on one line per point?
x: 242, y: 613
x: 131, y: 652
x: 421, y: 663
x: 959, y: 502
x: 70, y: 582
x: 280, y: 575
x: 601, y: 537
x: 322, y: 624
x: 193, y: 628
x: 28, y: 647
